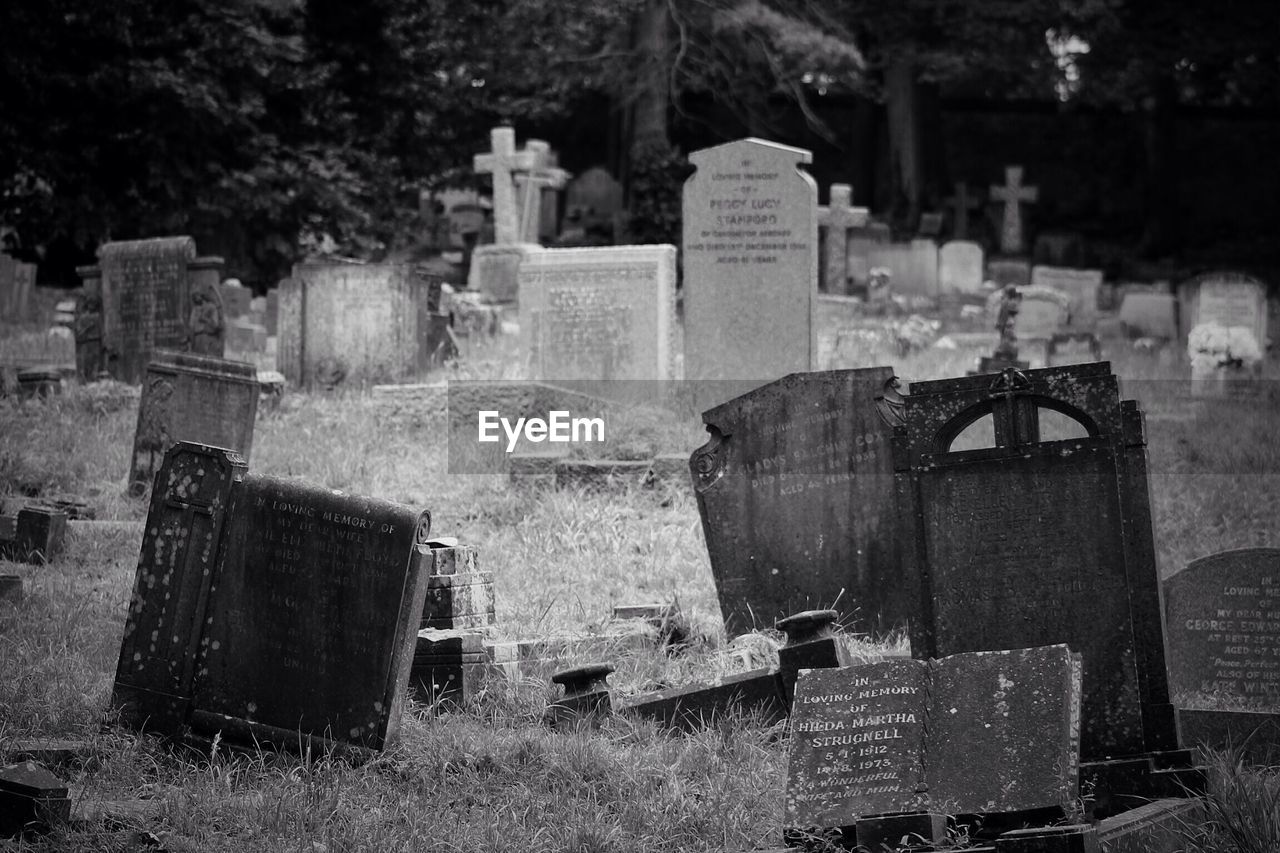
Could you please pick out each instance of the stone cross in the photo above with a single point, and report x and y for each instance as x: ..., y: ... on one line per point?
x: 836, y: 219
x: 961, y: 203
x: 501, y: 162
x: 1013, y: 193
x: 542, y: 173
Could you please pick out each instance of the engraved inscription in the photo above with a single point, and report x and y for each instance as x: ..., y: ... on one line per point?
x: 744, y: 223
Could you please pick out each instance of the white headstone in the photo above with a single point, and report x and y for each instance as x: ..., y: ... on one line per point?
x: 960, y: 267
x: 1081, y: 285
x: 1043, y: 313
x: 1228, y: 299
x: 750, y: 262
x: 914, y: 265
x: 502, y: 162
x: 599, y: 313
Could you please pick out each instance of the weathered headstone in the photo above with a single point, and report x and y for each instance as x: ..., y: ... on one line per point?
x: 235, y: 298
x: 1033, y: 543
x: 1150, y: 315
x: 186, y: 397
x: 1043, y: 313
x: 87, y: 326
x: 1013, y: 195
x: 750, y: 262
x: 914, y: 265
x: 1081, y: 285
x: 960, y: 267
x: 1226, y: 299
x: 978, y: 733
x: 795, y: 492
x: 836, y: 219
x: 355, y: 324
x: 269, y: 610
x: 494, y: 268
x: 536, y: 192
x: 599, y: 313
x: 17, y: 289
x: 863, y: 242
x: 156, y: 294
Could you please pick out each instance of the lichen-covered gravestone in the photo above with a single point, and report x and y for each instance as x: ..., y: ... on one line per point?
x: 1033, y: 542
x: 977, y: 733
x: 750, y: 262
x: 795, y: 490
x: 269, y: 610
x: 186, y: 397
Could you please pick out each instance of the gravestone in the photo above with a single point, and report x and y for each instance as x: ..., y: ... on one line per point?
x: 862, y: 243
x: 961, y: 203
x: 1006, y: 271
x: 17, y: 289
x: 495, y: 268
x: 1150, y: 315
x: 187, y: 397
x: 836, y: 220
x: 960, y: 267
x: 594, y: 198
x: 1013, y: 195
x: 599, y: 313
x: 536, y: 193
x: 355, y: 324
x: 750, y: 262
x: 1043, y: 313
x: 1225, y: 299
x: 87, y: 326
x: 156, y: 294
x: 1036, y: 542
x: 977, y: 733
x: 913, y: 266
x: 268, y: 610
x: 795, y: 492
x: 1082, y: 286
x: 236, y: 298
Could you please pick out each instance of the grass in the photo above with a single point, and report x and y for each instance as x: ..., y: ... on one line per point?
x: 490, y: 777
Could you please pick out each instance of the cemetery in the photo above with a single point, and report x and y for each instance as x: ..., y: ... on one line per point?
x: 759, y: 492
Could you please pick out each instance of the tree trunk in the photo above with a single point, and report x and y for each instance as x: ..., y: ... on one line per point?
x: 1159, y: 131
x: 902, y: 106
x: 653, y: 39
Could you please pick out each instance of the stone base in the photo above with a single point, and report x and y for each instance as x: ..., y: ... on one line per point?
x: 1151, y: 828
x: 1124, y: 784
x: 31, y: 799
x: 35, y: 535
x: 1050, y: 839
x: 696, y: 706
x: 1255, y: 733
x: 495, y: 270
x: 886, y: 833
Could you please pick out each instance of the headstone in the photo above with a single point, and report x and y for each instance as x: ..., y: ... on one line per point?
x: 31, y: 798
x: 236, y: 298
x: 186, y: 397
x: 595, y: 198
x: 930, y: 225
x: 87, y: 326
x: 836, y: 219
x: 1081, y: 285
x: 961, y: 204
x: 960, y: 267
x: 913, y: 266
x: 17, y: 289
x: 696, y: 706
x: 978, y: 733
x: 156, y: 294
x: 354, y: 324
x: 535, y: 188
x: 503, y: 161
x: 1013, y: 195
x: 268, y: 610
x: 863, y: 242
x: 36, y: 534
x: 1226, y: 299
x: 750, y: 262
x: 1034, y: 543
x: 1006, y: 271
x: 795, y: 493
x: 466, y: 222
x: 1043, y: 313
x: 246, y: 340
x: 599, y: 313
x: 273, y: 312
x: 1150, y: 315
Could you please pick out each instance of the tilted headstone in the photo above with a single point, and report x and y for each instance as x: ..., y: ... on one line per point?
x: 1036, y: 542
x: 960, y: 267
x: 156, y: 294
x: 269, y: 610
x: 186, y: 397
x: 599, y: 313
x: 1013, y: 194
x: 750, y: 262
x: 795, y: 491
x: 914, y: 265
x: 978, y: 733
x: 1225, y: 299
x: 1150, y: 315
x: 836, y: 220
x: 1081, y: 285
x: 355, y: 324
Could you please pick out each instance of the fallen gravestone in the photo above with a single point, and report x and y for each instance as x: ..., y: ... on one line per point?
x: 599, y: 313
x: 977, y: 733
x: 795, y: 492
x: 1032, y: 542
x: 1222, y: 616
x: 269, y: 611
x: 750, y: 262
x: 186, y: 397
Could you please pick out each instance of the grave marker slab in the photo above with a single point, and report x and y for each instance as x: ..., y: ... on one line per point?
x: 270, y: 610
x: 914, y: 265
x: 960, y: 267
x: 1082, y: 286
x: 750, y: 262
x: 1226, y: 299
x: 836, y: 219
x: 17, y: 289
x: 795, y: 493
x: 599, y: 313
x: 1150, y: 315
x: 976, y: 733
x: 1036, y: 542
x: 236, y: 298
x: 1042, y: 314
x: 187, y: 397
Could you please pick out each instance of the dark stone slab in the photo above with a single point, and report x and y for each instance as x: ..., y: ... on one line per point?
x: 1050, y: 839
x: 795, y: 492
x: 1156, y: 827
x: 39, y: 382
x: 31, y: 799
x: 1255, y: 734
x: 459, y: 601
x: 1038, y: 542
x: 974, y: 733
x: 188, y: 397
x: 270, y: 610
x: 49, y: 752
x: 1119, y: 785
x: 38, y: 535
x: 1222, y: 615
x: 449, y: 667
x: 811, y: 644
x: 697, y: 706
x: 586, y: 695
x: 890, y: 833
